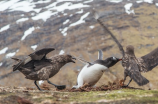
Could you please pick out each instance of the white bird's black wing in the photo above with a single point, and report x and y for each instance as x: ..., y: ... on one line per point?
x: 149, y: 61
x: 134, y: 73
x: 100, y: 55
x: 38, y: 55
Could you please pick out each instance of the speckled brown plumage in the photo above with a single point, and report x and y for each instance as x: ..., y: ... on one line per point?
x: 134, y: 66
x: 43, y: 68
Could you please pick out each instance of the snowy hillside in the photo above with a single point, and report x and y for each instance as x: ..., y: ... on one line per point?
x: 16, y: 13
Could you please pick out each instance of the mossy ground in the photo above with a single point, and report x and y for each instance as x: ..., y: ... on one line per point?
x: 121, y: 96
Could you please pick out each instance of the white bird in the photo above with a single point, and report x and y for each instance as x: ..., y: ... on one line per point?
x: 92, y: 72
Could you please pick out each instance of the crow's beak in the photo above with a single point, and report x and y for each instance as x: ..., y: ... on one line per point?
x: 72, y: 59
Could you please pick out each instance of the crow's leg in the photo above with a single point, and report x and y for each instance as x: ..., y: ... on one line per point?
x: 60, y: 87
x: 38, y: 86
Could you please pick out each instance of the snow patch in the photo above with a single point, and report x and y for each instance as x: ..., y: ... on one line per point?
x: 52, y: 9
x: 3, y: 50
x: 81, y: 20
x: 6, y: 4
x: 37, y: 27
x: 34, y: 47
x: 91, y: 27
x: 63, y: 31
x: 69, y: 6
x: 21, y: 5
x: 65, y: 14
x: 67, y: 0
x: 71, y: 15
x: 25, y: 6
x: 66, y: 22
x: 5, y: 28
x: 147, y: 1
x: 114, y: 1
x: 44, y: 15
x: 27, y: 32
x: 41, y: 1
x: 11, y: 54
x: 1, y: 64
x: 127, y: 8
x: 22, y: 20
x: 79, y: 12
x: 32, y: 14
x: 61, y: 52
x: 140, y: 1
x: 88, y: 1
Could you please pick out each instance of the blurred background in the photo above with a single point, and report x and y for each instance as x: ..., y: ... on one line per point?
x: 69, y: 27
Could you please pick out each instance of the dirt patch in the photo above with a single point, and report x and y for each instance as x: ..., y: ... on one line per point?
x: 116, y: 85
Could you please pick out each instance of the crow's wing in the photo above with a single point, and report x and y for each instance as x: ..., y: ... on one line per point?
x: 42, y: 74
x: 134, y: 73
x: 149, y: 61
x: 17, y: 66
x: 100, y: 55
x: 38, y: 55
x: 38, y: 65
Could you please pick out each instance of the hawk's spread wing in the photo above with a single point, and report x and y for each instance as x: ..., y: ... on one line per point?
x: 134, y: 73
x: 149, y: 61
x: 42, y: 74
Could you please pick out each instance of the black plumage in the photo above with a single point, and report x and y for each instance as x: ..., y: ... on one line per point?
x: 37, y: 55
x: 44, y: 68
x: 134, y: 66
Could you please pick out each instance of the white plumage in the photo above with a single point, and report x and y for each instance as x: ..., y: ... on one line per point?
x: 92, y: 72
x: 90, y: 75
